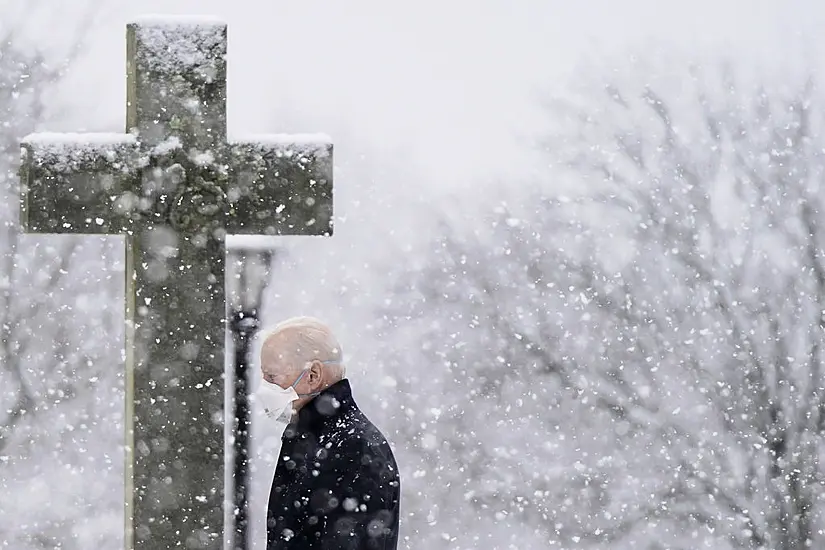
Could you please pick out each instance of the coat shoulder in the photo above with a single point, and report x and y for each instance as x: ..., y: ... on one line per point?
x: 359, y: 446
x: 355, y: 432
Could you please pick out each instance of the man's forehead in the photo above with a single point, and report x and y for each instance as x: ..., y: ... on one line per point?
x: 278, y: 348
x: 273, y: 353
x: 277, y: 354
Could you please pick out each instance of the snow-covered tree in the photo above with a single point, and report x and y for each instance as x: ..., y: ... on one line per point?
x: 61, y: 332
x: 631, y: 353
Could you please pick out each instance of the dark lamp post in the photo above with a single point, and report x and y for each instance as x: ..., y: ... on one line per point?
x: 247, y: 274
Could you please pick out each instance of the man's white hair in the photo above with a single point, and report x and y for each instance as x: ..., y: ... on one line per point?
x: 317, y: 338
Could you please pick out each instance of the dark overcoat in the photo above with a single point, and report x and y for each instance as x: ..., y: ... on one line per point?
x: 336, y: 485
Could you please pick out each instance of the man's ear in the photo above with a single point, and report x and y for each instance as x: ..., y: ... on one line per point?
x: 315, y: 372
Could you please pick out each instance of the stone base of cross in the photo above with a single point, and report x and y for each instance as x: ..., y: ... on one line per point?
x: 174, y: 187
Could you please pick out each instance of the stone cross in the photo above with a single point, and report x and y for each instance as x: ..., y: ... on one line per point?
x: 174, y: 186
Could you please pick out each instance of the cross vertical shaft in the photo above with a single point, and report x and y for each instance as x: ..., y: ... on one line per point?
x: 176, y: 103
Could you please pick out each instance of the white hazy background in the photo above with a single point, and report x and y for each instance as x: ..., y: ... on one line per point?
x: 433, y: 107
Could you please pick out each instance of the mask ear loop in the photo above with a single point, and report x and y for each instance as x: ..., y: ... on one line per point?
x: 299, y: 378
x: 306, y: 369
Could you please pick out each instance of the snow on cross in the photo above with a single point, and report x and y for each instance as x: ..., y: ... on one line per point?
x: 174, y: 187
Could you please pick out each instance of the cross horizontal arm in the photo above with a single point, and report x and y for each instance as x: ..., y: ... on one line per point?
x: 77, y: 183
x: 280, y: 184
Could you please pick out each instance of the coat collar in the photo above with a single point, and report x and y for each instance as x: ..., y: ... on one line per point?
x: 331, y: 403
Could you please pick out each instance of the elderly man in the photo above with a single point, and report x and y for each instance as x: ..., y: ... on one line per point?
x: 336, y: 485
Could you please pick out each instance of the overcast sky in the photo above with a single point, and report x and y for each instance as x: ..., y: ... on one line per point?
x: 420, y: 97
x: 448, y: 85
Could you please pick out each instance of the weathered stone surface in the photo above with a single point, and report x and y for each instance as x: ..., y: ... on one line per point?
x: 176, y: 83
x: 174, y: 187
x: 55, y: 178
x: 281, y: 185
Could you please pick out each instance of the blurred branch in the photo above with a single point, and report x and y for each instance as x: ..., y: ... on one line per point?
x: 29, y: 307
x: 15, y: 343
x: 698, y: 345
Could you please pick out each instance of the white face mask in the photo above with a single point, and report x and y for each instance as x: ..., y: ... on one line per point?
x: 275, y: 403
x: 273, y: 411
